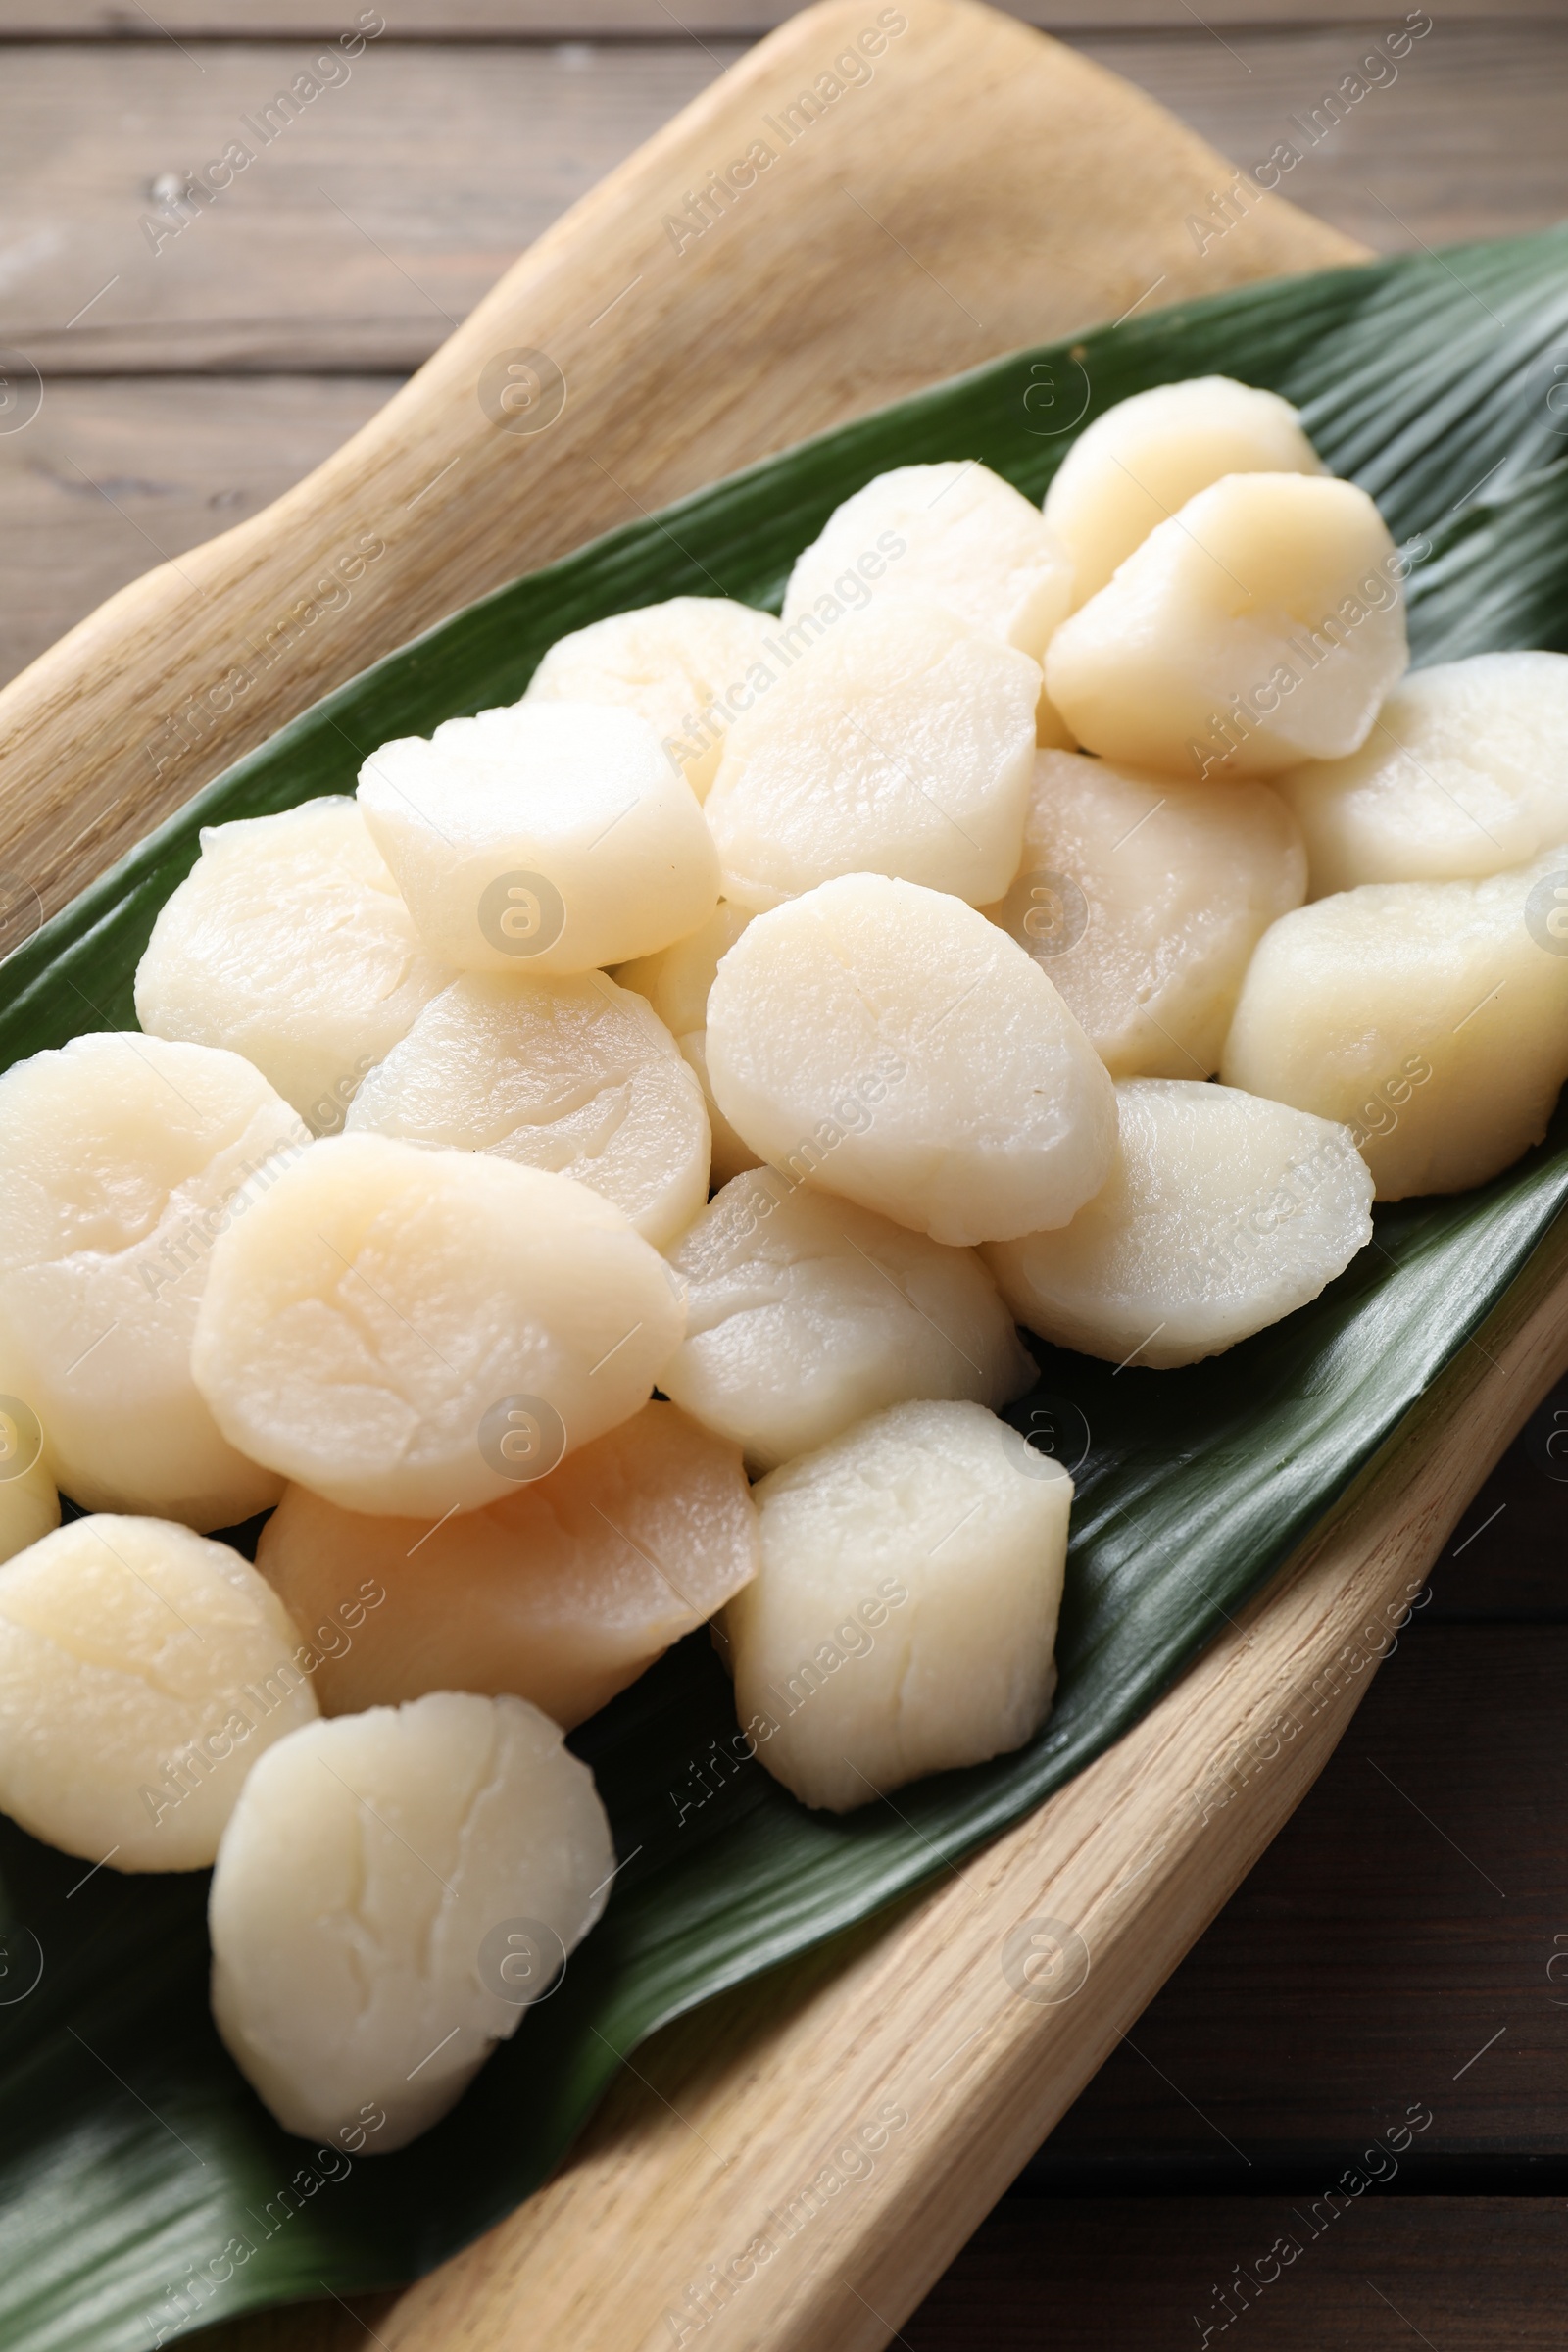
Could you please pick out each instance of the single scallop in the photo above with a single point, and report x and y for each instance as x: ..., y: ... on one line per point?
x: 1143, y: 458
x: 542, y: 837
x: 564, y: 1590
x: 904, y: 1619
x: 1142, y: 898
x: 287, y: 942
x: 575, y: 1074
x: 1429, y: 1017
x: 805, y: 1312
x: 886, y: 1043
x: 1224, y: 1213
x: 687, y: 666
x: 955, y: 532
x: 901, y: 743
x: 1465, y: 773
x: 143, y: 1672
x: 1261, y: 625
x: 392, y: 1893
x: 379, y: 1317
x: 121, y: 1160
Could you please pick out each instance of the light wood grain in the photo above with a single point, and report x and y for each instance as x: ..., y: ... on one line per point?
x: 393, y: 203
x: 371, y: 221
x: 112, y: 473
x: 736, y: 2111
x: 1052, y: 192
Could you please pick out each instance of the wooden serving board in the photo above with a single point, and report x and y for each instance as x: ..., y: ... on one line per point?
x: 793, y: 2164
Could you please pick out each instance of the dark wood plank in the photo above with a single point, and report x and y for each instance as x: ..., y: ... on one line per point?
x: 381, y: 213
x: 1508, y: 1556
x: 1390, y: 2274
x: 1406, y: 1919
x: 111, y: 477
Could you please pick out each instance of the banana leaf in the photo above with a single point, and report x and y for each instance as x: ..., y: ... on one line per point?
x: 143, y: 2190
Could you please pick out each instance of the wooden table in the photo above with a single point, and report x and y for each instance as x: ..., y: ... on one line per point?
x: 1398, y: 1955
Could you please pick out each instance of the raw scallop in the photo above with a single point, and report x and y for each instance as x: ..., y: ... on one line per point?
x: 904, y: 1620
x: 544, y: 837
x: 687, y: 666
x: 374, y: 1323
x: 393, y: 1890
x: 1224, y: 1213
x: 1430, y: 1017
x: 143, y: 1671
x: 1465, y: 773
x: 575, y: 1075
x: 805, y: 1313
x: 1143, y: 458
x: 288, y: 943
x: 1260, y: 626
x: 564, y: 1591
x: 1141, y: 899
x: 955, y: 532
x: 121, y: 1160
x: 887, y: 1043
x: 902, y: 744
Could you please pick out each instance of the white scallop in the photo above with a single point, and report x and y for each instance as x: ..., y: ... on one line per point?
x: 1143, y: 458
x: 900, y: 743
x: 546, y: 837
x: 143, y: 1672
x: 575, y: 1075
x: 1431, y: 1017
x: 287, y: 942
x: 904, y: 1619
x: 1261, y: 625
x: 564, y: 1591
x: 1141, y: 899
x: 682, y: 666
x: 392, y: 1891
x: 887, y: 1043
x: 1465, y: 773
x: 955, y: 532
x: 1224, y: 1213
x: 121, y: 1160
x: 367, y: 1328
x: 805, y: 1313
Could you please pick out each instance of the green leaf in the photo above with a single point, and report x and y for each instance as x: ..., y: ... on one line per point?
x: 144, y: 2188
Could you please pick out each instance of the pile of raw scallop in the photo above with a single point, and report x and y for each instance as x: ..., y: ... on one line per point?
x: 692, y: 1075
